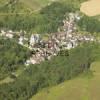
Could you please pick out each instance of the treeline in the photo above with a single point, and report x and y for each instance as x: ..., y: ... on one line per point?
x: 89, y: 24
x: 12, y: 57
x: 50, y: 73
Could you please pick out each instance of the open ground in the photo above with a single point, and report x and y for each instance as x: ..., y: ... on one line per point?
x: 91, y: 7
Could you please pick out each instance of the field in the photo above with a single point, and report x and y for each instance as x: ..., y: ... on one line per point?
x: 35, y: 4
x: 91, y: 8
x: 84, y: 87
x: 29, y: 4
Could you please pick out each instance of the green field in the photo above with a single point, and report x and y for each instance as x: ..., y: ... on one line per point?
x: 84, y: 87
x: 29, y: 4
x: 35, y: 4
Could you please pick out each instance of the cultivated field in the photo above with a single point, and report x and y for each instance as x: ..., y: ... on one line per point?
x: 91, y: 8
x: 84, y: 87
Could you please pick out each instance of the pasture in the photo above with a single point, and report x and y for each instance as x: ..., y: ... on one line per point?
x: 84, y: 87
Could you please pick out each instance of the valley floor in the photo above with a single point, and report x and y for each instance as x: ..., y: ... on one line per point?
x: 84, y: 87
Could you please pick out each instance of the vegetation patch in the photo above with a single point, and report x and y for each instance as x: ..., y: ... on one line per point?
x: 12, y: 57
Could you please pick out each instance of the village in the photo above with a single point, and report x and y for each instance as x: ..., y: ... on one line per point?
x: 66, y: 38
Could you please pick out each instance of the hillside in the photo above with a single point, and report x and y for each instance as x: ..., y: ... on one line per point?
x: 84, y: 87
x: 23, y: 5
x: 19, y: 15
x: 35, y: 4
x: 20, y: 6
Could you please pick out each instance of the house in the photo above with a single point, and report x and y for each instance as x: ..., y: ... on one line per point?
x: 3, y: 33
x: 69, y: 46
x: 32, y: 61
x: 35, y: 38
x: 28, y: 62
x: 9, y: 35
x: 21, y: 40
x: 32, y: 40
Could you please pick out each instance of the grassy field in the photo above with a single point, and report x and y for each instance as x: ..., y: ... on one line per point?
x: 84, y: 87
x: 35, y: 4
x: 30, y: 4
x: 91, y: 8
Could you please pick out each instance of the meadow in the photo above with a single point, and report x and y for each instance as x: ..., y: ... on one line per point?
x: 84, y: 87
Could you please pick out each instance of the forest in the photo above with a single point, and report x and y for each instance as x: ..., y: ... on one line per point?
x: 51, y: 73
x: 12, y: 57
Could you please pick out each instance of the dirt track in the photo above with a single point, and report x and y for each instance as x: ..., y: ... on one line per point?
x: 91, y: 7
